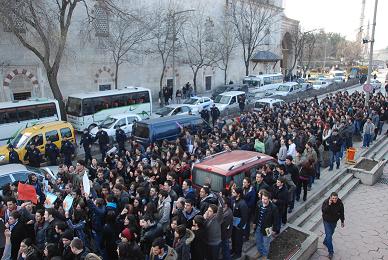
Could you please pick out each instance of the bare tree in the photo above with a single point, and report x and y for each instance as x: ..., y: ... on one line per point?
x: 227, y: 43
x: 199, y: 44
x: 309, y: 49
x: 297, y: 40
x: 167, y: 22
x: 252, y: 20
x: 42, y: 27
x: 127, y: 34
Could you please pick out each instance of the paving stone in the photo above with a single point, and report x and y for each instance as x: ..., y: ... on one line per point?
x: 365, y: 235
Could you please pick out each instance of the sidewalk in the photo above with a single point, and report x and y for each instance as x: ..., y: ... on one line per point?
x: 365, y: 235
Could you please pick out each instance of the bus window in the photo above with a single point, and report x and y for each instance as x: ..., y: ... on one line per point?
x: 87, y: 107
x: 46, y: 110
x: 52, y: 135
x: 74, y: 106
x: 26, y: 113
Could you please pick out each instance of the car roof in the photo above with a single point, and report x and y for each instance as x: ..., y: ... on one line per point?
x: 177, y: 105
x: 47, y: 126
x: 269, y: 100
x: 122, y: 115
x: 289, y: 83
x: 10, y: 168
x: 168, y: 119
x: 232, y: 93
x: 227, y: 163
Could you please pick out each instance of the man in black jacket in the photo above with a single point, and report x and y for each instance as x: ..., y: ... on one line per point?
x: 240, y: 220
x: 335, y: 143
x: 226, y: 228
x: 103, y: 141
x: 280, y: 198
x: 18, y: 233
x: 332, y: 211
x: 266, y: 217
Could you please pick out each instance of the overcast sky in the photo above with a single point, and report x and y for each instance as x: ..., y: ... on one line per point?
x: 341, y: 16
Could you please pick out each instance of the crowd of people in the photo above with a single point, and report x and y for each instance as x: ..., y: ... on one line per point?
x: 142, y: 203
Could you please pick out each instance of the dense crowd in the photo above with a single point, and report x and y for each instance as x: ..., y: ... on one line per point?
x: 142, y: 203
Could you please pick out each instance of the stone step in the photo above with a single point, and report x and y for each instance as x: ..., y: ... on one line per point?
x: 379, y: 145
x: 337, y: 185
x: 316, y: 219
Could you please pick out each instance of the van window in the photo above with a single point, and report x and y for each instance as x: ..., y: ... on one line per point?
x: 130, y: 119
x: 233, y: 100
x: 52, y: 135
x: 4, y: 180
x: 141, y: 131
x: 66, y: 132
x: 238, y: 179
x: 167, y: 130
x: 201, y: 177
x: 38, y: 142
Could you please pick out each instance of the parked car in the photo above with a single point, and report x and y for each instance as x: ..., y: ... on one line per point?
x: 166, y: 128
x: 288, y: 88
x: 318, y: 84
x: 220, y: 169
x: 228, y: 101
x: 172, y: 110
x: 197, y: 104
x: 19, y: 172
x: 267, y: 103
x: 124, y: 121
x: 230, y: 87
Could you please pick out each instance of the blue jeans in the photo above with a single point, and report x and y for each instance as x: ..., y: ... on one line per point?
x: 334, y: 156
x: 225, y: 248
x: 366, y: 140
x: 262, y: 242
x: 329, y: 231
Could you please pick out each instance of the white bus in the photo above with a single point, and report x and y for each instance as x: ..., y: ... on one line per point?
x: 17, y: 115
x: 263, y: 84
x: 264, y: 79
x: 87, y: 110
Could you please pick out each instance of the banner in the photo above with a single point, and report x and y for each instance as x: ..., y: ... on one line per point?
x: 86, y: 184
x: 27, y: 192
x: 68, y: 202
x: 50, y: 199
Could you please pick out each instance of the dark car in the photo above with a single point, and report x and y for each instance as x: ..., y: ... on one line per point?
x: 231, y: 87
x: 166, y: 128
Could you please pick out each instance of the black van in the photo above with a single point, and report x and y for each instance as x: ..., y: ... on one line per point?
x: 166, y: 128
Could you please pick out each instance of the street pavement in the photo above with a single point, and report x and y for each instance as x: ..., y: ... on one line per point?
x: 365, y: 235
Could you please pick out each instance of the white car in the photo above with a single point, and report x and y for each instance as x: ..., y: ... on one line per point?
x: 321, y: 83
x: 288, y: 88
x: 124, y: 121
x: 267, y: 103
x: 376, y: 84
x: 197, y: 104
x: 172, y: 110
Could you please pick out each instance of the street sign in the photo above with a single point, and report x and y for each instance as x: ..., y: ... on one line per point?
x: 367, y: 88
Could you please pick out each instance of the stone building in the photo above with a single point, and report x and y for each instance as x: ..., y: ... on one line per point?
x: 87, y: 67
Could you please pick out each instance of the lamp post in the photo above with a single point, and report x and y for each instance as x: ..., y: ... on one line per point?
x: 173, y: 45
x: 372, y: 41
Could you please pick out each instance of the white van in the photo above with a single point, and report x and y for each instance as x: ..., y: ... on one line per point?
x: 228, y: 100
x: 124, y: 121
x: 263, y: 84
x: 260, y: 104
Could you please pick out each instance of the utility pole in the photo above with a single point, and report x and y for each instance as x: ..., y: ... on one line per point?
x: 372, y: 41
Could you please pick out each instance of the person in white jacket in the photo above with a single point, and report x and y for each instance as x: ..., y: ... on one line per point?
x: 291, y: 148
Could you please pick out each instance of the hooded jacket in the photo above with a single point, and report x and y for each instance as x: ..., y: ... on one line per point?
x: 164, y: 211
x: 182, y: 246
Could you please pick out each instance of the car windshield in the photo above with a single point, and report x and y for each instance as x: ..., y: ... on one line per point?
x: 220, y: 89
x: 74, y: 106
x: 164, y: 111
x: 220, y: 99
x: 20, y: 140
x: 108, y: 122
x: 191, y: 101
x: 283, y: 88
x: 140, y: 130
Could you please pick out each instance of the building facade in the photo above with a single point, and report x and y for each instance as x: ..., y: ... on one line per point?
x: 88, y: 67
